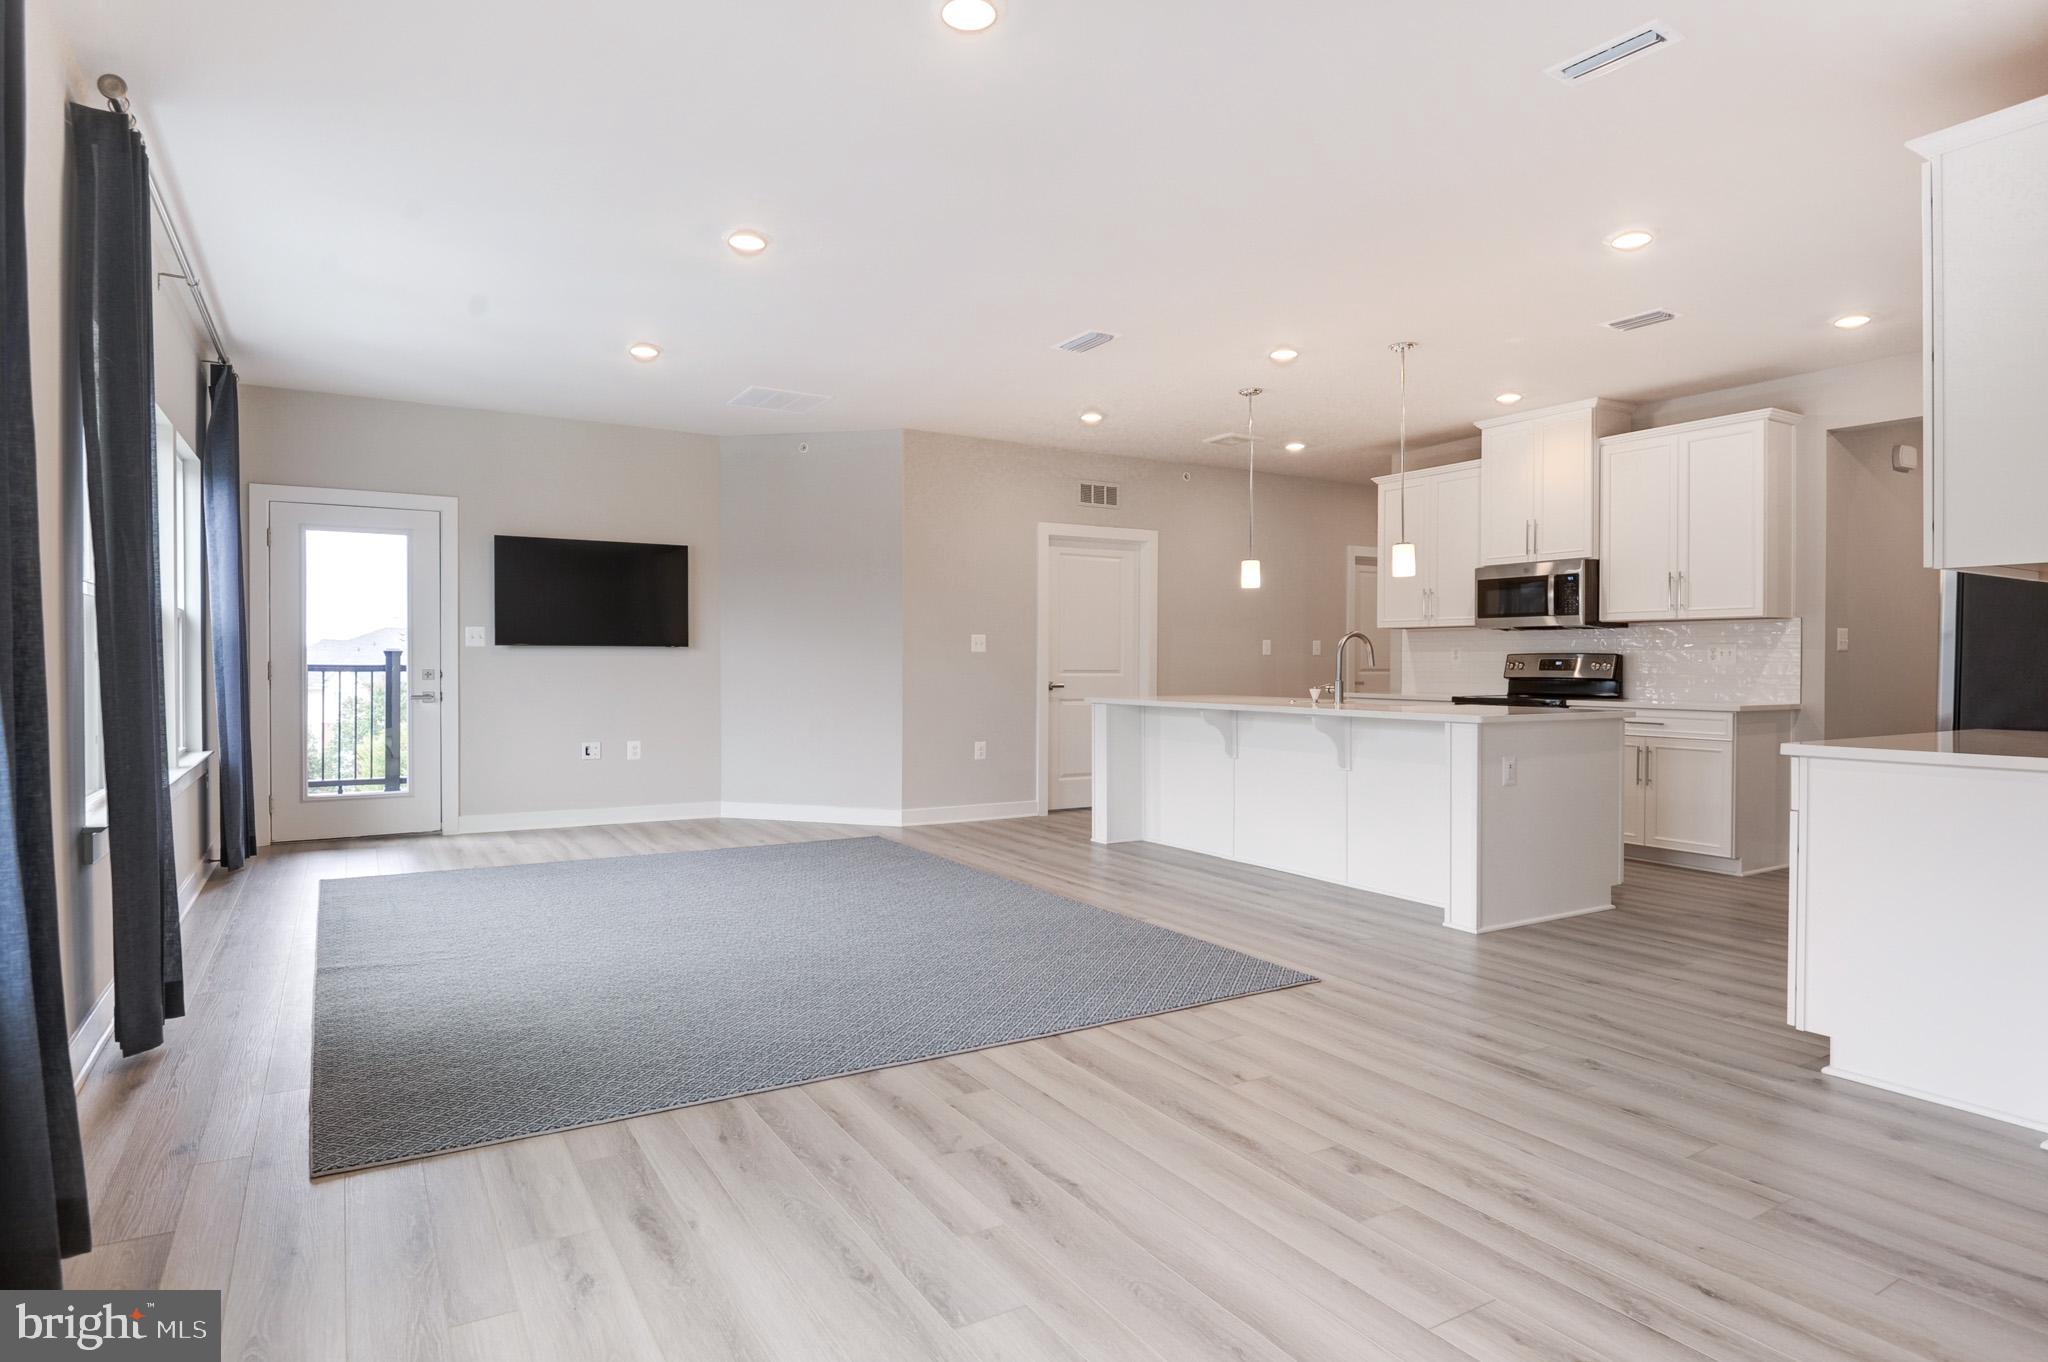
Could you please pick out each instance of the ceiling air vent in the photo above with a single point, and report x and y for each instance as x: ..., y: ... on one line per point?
x: 1098, y: 494
x: 777, y: 399
x: 1086, y: 341
x: 1228, y: 439
x: 1654, y: 317
x: 1607, y: 56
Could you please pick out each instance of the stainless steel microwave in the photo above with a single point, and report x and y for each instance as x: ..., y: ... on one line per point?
x: 1561, y: 594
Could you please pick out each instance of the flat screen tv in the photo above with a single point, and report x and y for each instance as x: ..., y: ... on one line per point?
x: 591, y: 593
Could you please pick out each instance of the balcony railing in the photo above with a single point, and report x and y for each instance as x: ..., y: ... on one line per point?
x: 356, y: 726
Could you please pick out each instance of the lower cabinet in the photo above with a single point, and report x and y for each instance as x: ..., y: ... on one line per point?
x: 1707, y: 786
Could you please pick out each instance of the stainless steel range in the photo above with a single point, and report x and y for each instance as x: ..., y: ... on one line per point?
x: 1554, y: 680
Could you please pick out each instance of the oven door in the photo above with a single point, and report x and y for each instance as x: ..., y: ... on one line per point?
x: 1514, y: 597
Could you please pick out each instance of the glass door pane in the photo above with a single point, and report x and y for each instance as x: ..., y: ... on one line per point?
x: 358, y: 739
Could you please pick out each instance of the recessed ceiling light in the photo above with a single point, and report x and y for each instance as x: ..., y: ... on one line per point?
x: 747, y: 241
x: 1632, y: 240
x: 1091, y: 418
x: 967, y: 16
x: 1284, y: 355
x: 1295, y: 446
x: 1508, y: 399
x: 1853, y: 320
x: 644, y: 351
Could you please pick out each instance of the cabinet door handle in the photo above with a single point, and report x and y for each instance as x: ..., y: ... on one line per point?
x: 1649, y: 766
x: 1639, y: 764
x: 1681, y: 591
x: 1671, y: 590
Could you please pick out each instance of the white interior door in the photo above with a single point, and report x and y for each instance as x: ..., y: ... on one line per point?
x: 1365, y: 593
x: 355, y: 672
x: 1092, y: 635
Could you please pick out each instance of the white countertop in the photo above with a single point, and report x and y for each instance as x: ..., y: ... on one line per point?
x: 2003, y: 749
x: 1702, y: 707
x: 1375, y: 707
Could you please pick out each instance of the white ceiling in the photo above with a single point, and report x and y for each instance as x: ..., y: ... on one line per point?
x: 482, y: 203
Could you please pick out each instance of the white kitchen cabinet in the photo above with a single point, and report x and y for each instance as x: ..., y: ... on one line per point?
x: 1705, y: 789
x: 1985, y: 295
x: 1696, y: 520
x: 1539, y: 481
x: 1443, y: 524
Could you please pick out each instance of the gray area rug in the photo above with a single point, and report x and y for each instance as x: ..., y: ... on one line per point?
x: 465, y: 1007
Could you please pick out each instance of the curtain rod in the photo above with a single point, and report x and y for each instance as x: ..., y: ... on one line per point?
x: 115, y: 91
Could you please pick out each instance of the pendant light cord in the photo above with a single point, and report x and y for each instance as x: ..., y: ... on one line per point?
x: 1401, y: 348
x: 1251, y: 472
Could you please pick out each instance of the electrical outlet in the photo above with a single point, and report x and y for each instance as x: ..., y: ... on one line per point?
x: 1841, y: 640
x: 591, y: 751
x: 977, y: 643
x: 632, y: 749
x: 1265, y: 647
x: 1507, y: 770
x: 980, y: 750
x: 473, y: 636
x: 1721, y: 652
x: 1315, y: 647
x: 1457, y: 656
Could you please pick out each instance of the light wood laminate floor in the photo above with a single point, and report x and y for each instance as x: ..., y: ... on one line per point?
x: 1593, y: 1139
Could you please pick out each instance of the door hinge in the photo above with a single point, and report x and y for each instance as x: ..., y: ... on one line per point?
x: 271, y: 801
x: 267, y: 675
x: 266, y: 536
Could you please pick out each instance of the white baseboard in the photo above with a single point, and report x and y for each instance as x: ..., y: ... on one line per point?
x: 1547, y: 917
x: 584, y: 818
x: 814, y: 813
x: 89, y: 1041
x: 2039, y: 1122
x: 857, y: 815
x: 970, y: 813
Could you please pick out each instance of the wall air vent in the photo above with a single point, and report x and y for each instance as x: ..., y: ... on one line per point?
x: 1654, y: 317
x: 777, y: 399
x: 1086, y: 341
x: 1229, y: 439
x: 1098, y: 494
x: 1609, y: 55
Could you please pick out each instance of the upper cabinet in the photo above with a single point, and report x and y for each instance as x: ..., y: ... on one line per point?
x: 1696, y: 520
x: 1442, y: 516
x: 1985, y: 282
x: 1539, y: 493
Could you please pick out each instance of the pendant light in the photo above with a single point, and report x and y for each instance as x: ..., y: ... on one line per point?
x: 1403, y: 558
x: 1248, y: 570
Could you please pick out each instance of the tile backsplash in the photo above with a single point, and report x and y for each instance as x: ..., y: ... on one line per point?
x: 1706, y: 662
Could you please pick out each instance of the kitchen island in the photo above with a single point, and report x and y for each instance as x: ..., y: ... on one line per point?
x: 1499, y: 817
x: 1919, y: 940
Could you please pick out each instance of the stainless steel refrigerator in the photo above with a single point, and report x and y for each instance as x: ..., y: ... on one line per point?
x: 1994, y: 652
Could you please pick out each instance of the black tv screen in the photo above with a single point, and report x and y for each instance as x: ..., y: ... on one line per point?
x: 592, y: 593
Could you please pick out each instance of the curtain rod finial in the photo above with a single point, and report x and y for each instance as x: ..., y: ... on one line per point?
x: 115, y: 90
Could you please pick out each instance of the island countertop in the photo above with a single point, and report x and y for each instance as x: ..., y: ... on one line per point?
x: 1424, y: 711
x: 2005, y: 749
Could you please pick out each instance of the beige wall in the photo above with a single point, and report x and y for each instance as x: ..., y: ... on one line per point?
x: 524, y: 711
x: 1879, y: 589
x: 1853, y: 395
x: 812, y: 528
x: 971, y: 513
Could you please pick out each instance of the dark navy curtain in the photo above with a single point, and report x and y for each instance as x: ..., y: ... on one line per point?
x: 42, y: 1171
x: 221, y: 469
x: 112, y: 284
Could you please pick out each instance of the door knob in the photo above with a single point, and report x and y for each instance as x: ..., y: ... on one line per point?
x: 1054, y: 685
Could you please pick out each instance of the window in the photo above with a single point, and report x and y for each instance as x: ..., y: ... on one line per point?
x: 178, y: 569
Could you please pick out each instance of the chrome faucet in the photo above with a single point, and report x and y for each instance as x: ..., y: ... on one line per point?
x: 1371, y: 660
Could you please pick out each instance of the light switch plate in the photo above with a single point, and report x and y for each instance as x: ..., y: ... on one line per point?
x: 591, y: 751
x: 1841, y: 640
x: 980, y: 750
x: 632, y: 749
x: 1507, y: 770
x: 473, y: 636
x: 977, y: 643
x: 1315, y: 647
x: 1265, y: 647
